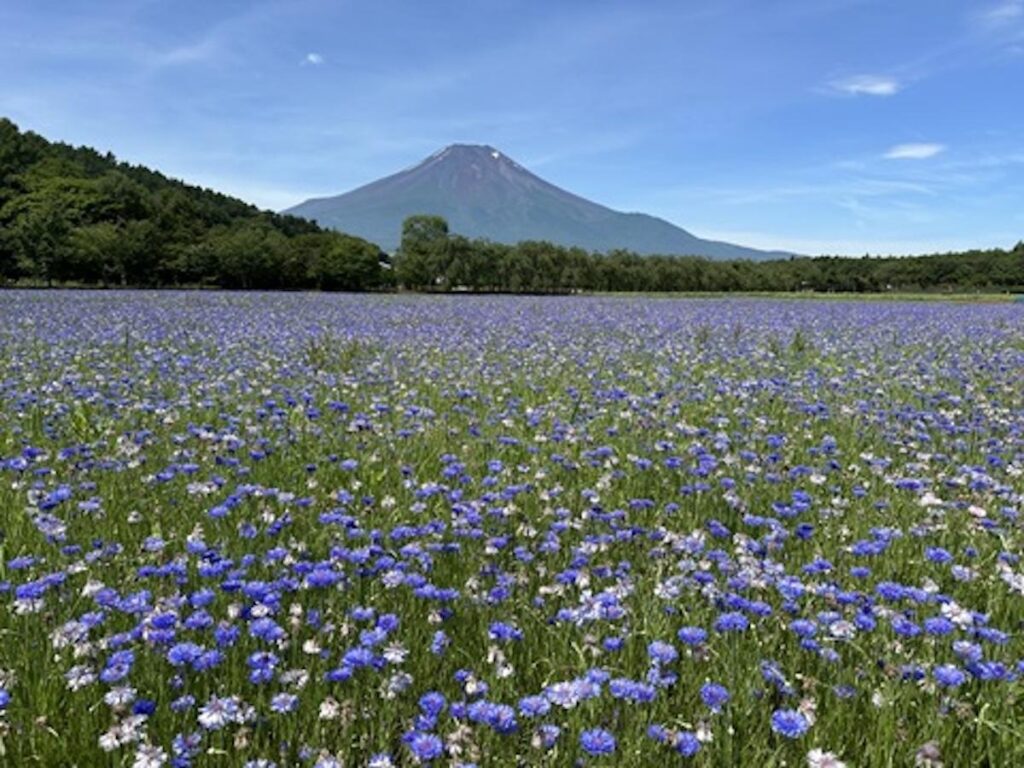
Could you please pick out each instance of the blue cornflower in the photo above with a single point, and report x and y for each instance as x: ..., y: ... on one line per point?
x: 358, y: 657
x: 988, y: 670
x: 321, y: 577
x: 597, y: 741
x: 501, y: 631
x: 432, y: 703
x: 631, y: 690
x: 502, y: 718
x: 534, y: 706
x: 207, y: 660
x: 804, y: 628
x: 439, y: 642
x: 425, y: 746
x: 261, y: 667
x: 949, y: 676
x: 657, y: 732
x: 115, y: 673
x: 183, y: 703
x: 692, y: 635
x: 732, y: 621
x: 714, y: 696
x: 226, y: 635
x: 687, y: 744
x: 992, y: 635
x: 967, y: 650
x: 548, y: 733
x: 904, y: 627
x: 284, y: 702
x: 202, y: 597
x: 266, y: 629
x: 789, y: 723
x: 938, y: 555
x: 144, y: 707
x: 183, y: 654
x: 662, y: 653
x: 938, y: 625
x: 199, y: 619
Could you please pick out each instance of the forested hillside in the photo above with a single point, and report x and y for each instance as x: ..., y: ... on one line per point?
x: 71, y: 214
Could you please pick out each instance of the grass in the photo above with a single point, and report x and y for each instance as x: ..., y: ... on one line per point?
x: 588, y: 472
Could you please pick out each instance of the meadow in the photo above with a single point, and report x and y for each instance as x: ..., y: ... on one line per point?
x: 373, y: 531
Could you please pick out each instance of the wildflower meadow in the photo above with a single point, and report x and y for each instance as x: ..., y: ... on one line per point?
x: 377, y: 531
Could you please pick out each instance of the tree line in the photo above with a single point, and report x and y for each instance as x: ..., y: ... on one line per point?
x: 70, y: 215
x: 431, y: 258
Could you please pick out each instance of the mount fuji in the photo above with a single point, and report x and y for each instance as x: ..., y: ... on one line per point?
x: 483, y: 193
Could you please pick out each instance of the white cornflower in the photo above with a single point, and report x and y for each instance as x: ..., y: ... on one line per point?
x: 330, y: 709
x: 818, y: 758
x: 110, y: 740
x: 395, y: 653
x: 959, y: 615
x: 121, y: 696
x: 396, y: 684
x: 149, y: 756
x: 842, y: 629
x: 26, y: 606
x: 79, y: 676
x: 217, y: 713
x: 295, y: 677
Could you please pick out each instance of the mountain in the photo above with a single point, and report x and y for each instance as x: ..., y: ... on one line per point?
x: 484, y: 193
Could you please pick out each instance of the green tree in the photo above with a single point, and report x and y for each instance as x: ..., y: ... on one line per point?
x: 349, y: 264
x: 41, y: 236
x: 422, y: 255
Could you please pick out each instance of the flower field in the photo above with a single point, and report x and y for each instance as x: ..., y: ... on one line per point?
x: 325, y: 530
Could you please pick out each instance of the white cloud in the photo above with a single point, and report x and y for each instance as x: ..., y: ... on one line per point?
x: 868, y: 85
x: 914, y: 151
x: 313, y: 58
x: 1004, y: 13
x: 203, y: 50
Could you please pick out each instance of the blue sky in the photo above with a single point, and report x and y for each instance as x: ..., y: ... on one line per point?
x: 839, y: 126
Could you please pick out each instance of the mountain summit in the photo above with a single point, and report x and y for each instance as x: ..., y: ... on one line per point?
x: 484, y: 193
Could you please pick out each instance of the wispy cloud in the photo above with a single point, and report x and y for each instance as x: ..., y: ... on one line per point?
x: 914, y: 151
x: 868, y: 85
x: 313, y: 58
x: 1006, y: 12
x: 203, y: 50
x: 846, y: 246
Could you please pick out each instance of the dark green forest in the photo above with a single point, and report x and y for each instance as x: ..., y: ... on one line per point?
x: 72, y: 216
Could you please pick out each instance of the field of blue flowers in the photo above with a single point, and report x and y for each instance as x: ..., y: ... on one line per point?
x: 325, y: 530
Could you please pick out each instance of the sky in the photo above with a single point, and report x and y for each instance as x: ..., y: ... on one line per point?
x: 815, y: 126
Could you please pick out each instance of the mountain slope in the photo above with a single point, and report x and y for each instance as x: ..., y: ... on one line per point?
x: 483, y: 193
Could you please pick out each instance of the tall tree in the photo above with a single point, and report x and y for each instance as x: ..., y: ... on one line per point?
x: 423, y: 251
